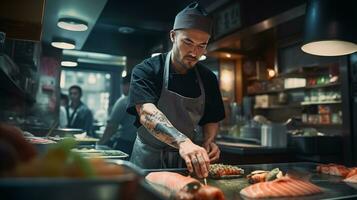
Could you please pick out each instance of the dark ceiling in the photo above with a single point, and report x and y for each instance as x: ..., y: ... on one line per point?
x: 151, y: 20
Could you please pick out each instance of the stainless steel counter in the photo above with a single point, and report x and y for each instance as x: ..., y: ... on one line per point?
x: 332, y: 186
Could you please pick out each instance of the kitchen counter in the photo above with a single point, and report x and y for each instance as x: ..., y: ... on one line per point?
x: 332, y: 186
x: 236, y: 152
x: 249, y: 149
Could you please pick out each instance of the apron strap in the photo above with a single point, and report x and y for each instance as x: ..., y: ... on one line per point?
x: 165, y: 80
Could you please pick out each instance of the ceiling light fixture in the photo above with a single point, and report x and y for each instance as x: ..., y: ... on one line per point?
x: 63, y: 43
x: 329, y: 30
x: 126, y: 29
x: 66, y: 63
x: 72, y: 24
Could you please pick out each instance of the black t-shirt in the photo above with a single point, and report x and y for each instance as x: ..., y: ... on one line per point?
x: 146, y: 86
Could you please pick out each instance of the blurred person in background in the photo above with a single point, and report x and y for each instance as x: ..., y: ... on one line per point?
x: 120, y: 132
x: 62, y: 111
x: 78, y: 114
x: 64, y: 100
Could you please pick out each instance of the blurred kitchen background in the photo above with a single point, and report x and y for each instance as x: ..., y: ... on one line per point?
x: 281, y: 103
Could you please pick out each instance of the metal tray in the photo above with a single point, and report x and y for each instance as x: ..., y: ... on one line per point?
x: 127, y: 186
x: 80, y: 141
x: 106, y: 154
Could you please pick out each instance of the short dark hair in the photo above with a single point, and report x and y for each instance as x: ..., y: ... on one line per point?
x: 64, y: 96
x: 77, y: 88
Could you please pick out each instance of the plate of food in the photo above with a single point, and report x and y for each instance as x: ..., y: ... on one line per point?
x: 39, y: 140
x: 221, y: 171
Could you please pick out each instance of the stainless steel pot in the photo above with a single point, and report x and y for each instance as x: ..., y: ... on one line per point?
x: 274, y: 135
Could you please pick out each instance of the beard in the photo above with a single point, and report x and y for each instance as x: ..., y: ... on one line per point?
x: 189, y: 61
x: 186, y: 61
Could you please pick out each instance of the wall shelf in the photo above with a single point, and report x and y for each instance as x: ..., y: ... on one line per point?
x: 9, y: 86
x: 276, y: 91
x: 307, y: 125
x: 296, y: 89
x: 323, y: 86
x: 320, y: 103
x: 280, y: 107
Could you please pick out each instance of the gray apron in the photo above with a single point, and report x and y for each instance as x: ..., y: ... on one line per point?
x: 183, y: 112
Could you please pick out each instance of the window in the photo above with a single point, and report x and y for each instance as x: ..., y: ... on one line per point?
x: 96, y: 90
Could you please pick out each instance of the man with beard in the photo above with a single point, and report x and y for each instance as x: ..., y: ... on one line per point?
x: 174, y: 97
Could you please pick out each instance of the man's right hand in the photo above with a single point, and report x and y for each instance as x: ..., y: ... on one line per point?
x: 196, y: 158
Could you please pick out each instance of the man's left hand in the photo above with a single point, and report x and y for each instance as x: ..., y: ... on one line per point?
x: 213, y: 151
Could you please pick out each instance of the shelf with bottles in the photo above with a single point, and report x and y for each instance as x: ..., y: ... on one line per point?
x: 330, y: 85
x: 320, y: 102
x: 276, y: 85
x: 292, y: 105
x: 276, y: 91
x: 326, y: 85
x: 319, y: 96
x: 331, y: 78
x: 305, y: 125
x: 292, y: 89
x: 311, y: 71
x: 322, y: 115
x: 308, y: 78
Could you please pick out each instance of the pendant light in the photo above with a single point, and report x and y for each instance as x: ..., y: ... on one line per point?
x: 69, y: 61
x: 330, y: 27
x: 72, y: 24
x: 63, y: 43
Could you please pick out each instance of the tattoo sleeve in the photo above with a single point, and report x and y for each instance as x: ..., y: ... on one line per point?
x: 160, y: 127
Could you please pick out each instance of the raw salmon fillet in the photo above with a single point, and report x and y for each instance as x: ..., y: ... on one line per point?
x: 353, y: 171
x: 177, y: 184
x: 282, y: 187
x: 333, y: 169
x: 351, y: 179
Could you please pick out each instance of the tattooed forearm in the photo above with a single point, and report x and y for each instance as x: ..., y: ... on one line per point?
x: 169, y: 134
x: 158, y: 125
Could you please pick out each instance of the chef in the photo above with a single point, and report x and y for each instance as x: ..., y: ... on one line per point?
x: 174, y: 98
